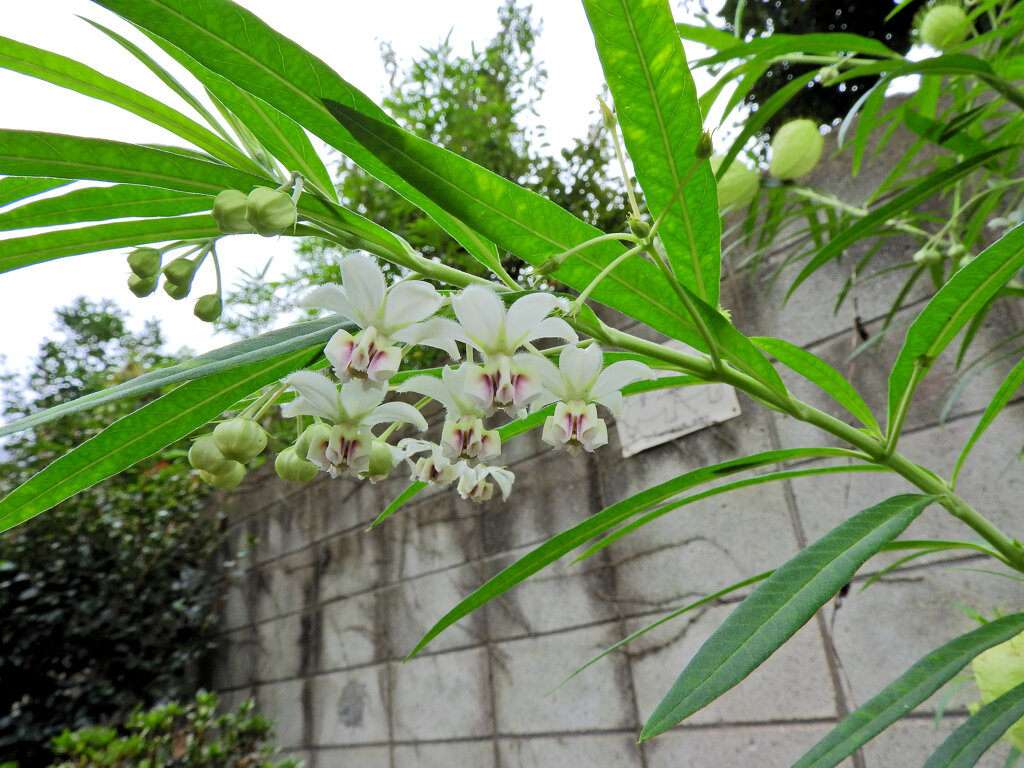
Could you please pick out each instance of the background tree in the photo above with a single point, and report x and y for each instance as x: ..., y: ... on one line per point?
x: 107, y: 603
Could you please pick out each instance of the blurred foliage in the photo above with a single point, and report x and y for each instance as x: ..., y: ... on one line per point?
x: 193, y: 735
x: 475, y: 106
x: 106, y: 601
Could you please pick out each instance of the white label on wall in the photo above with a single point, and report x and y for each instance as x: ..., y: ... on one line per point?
x: 652, y: 418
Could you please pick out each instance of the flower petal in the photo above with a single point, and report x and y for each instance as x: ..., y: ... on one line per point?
x: 439, y: 332
x: 617, y: 375
x: 330, y: 297
x: 553, y: 328
x: 580, y: 369
x: 395, y: 411
x: 409, y: 302
x: 525, y: 315
x: 482, y: 315
x: 318, y: 396
x: 431, y: 386
x: 364, y: 286
x: 359, y: 398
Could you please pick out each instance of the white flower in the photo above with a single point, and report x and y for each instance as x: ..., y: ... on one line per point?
x: 505, y: 380
x: 579, y: 382
x: 475, y: 486
x: 352, y: 409
x: 463, y: 434
x: 386, y: 315
x: 435, y: 468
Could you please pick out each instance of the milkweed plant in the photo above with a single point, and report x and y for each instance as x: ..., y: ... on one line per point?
x: 539, y: 352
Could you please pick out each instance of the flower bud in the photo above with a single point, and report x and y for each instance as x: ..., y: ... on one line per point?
x: 705, y: 147
x: 141, y: 287
x: 943, y: 26
x: 738, y: 186
x: 382, y: 460
x: 269, y: 212
x: 607, y: 116
x: 208, y: 307
x: 314, y: 433
x: 290, y: 466
x: 997, y: 671
x: 828, y: 75
x: 145, y: 262
x: 638, y: 226
x: 796, y: 149
x: 176, y: 291
x: 229, y: 212
x: 225, y: 480
x: 205, y: 455
x: 240, y: 439
x: 180, y: 271
x: 927, y: 256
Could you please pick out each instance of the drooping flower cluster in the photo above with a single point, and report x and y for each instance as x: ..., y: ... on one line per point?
x: 502, y: 372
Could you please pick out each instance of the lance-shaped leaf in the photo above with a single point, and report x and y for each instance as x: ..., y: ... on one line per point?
x: 235, y: 44
x: 617, y: 513
x: 780, y: 606
x: 907, y: 691
x: 950, y: 309
x: 121, y: 201
x: 143, y: 433
x: 15, y: 188
x: 999, y: 401
x: 656, y: 102
x: 76, y: 76
x: 965, y: 746
x: 33, y: 249
x: 33, y: 153
x: 263, y: 347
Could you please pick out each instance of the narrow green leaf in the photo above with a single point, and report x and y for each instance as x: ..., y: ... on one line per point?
x: 263, y: 347
x: 1002, y: 397
x: 825, y: 43
x: 32, y: 153
x: 15, y: 188
x: 22, y: 251
x: 68, y: 73
x: 780, y: 606
x: 414, y: 488
x: 673, y: 615
x: 949, y: 310
x: 921, y: 191
x: 235, y: 44
x: 143, y: 433
x: 656, y: 103
x: 965, y: 746
x: 124, y: 201
x: 706, y: 35
x: 565, y: 542
x: 911, y: 688
x: 816, y: 370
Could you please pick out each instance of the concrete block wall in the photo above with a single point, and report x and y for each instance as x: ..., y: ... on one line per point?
x: 322, y: 612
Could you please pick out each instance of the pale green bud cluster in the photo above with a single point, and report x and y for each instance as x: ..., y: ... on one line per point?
x: 943, y: 26
x: 220, y: 457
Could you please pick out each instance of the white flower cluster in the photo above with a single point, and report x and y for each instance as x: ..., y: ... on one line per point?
x: 511, y: 377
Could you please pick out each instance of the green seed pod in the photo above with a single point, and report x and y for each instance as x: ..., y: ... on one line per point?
x: 205, y: 455
x: 141, y: 287
x: 738, y: 186
x: 314, y: 433
x: 240, y: 439
x: 181, y: 271
x: 145, y: 262
x: 225, y: 480
x: 229, y: 212
x: 927, y: 256
x: 796, y: 149
x: 382, y: 461
x: 269, y: 212
x: 998, y: 670
x: 943, y: 26
x: 208, y: 307
x: 290, y: 467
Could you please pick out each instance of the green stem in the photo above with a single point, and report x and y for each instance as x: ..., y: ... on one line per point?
x: 895, y: 427
x: 579, y: 300
x: 868, y: 448
x: 625, y: 173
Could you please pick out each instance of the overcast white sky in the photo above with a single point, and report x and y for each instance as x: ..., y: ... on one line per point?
x: 346, y: 34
